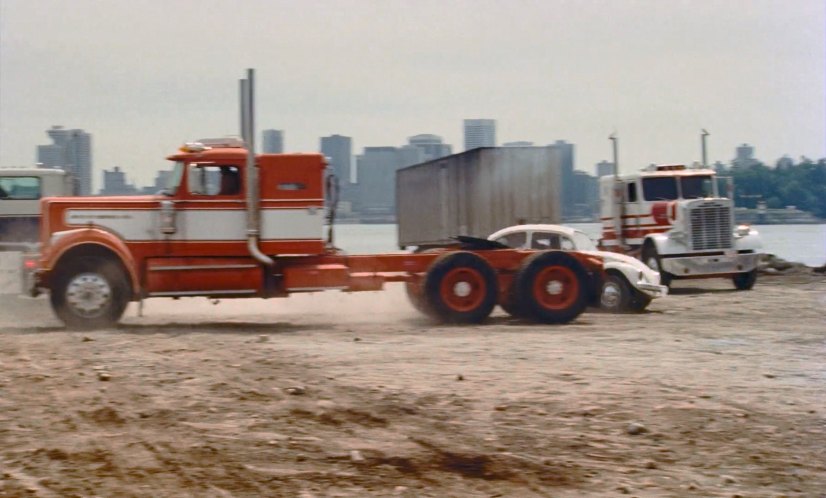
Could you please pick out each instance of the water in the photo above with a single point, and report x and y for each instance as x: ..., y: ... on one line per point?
x: 800, y: 243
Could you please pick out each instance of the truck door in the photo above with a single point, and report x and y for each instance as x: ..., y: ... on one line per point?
x: 204, y: 226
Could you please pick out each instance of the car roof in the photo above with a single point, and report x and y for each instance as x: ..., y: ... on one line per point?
x: 537, y: 227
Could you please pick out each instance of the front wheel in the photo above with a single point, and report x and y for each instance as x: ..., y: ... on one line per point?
x: 89, y: 293
x: 745, y: 280
x: 615, y: 296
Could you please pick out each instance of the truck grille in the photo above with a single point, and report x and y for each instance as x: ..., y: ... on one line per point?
x: 711, y: 227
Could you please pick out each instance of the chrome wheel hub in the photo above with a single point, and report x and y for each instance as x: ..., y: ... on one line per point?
x: 554, y: 287
x: 610, y: 296
x: 462, y: 289
x: 88, y: 294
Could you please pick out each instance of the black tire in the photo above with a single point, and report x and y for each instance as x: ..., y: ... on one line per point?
x: 653, y: 261
x: 417, y: 300
x: 551, y: 287
x: 89, y: 292
x: 616, y: 294
x: 745, y: 280
x: 639, y: 302
x: 460, y: 287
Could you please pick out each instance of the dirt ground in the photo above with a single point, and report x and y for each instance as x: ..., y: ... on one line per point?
x: 711, y: 392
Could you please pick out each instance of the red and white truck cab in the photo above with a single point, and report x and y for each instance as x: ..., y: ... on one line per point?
x: 676, y: 221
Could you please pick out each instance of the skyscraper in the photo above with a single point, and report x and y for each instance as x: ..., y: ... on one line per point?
x: 377, y: 168
x: 272, y: 141
x: 568, y: 192
x: 71, y: 151
x: 431, y: 146
x: 340, y: 151
x: 605, y: 168
x: 480, y: 133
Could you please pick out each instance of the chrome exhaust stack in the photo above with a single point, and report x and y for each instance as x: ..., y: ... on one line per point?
x: 247, y: 89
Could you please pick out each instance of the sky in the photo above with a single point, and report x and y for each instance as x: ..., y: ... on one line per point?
x: 144, y: 76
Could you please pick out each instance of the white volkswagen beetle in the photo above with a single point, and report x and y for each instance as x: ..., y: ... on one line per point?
x: 630, y: 284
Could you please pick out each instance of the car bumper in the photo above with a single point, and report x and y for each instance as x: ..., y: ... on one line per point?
x: 718, y: 264
x: 652, y: 290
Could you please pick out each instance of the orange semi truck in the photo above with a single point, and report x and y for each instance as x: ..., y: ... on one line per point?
x: 233, y: 224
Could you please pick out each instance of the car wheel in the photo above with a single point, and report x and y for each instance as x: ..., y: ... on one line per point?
x: 615, y: 295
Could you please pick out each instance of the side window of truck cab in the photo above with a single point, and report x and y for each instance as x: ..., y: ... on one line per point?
x: 214, y: 180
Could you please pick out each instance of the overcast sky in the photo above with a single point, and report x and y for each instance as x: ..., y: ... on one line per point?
x: 143, y: 76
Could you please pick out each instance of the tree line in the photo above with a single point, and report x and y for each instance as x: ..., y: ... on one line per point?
x: 801, y: 184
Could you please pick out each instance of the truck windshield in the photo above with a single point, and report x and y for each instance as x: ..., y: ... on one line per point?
x: 172, y: 180
x: 20, y: 187
x: 661, y: 188
x: 697, y: 187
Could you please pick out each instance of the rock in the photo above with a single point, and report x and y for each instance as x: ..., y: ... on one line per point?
x: 295, y: 391
x: 769, y: 376
x: 651, y: 464
x: 635, y: 429
x: 103, y: 376
x: 356, y: 456
x: 356, y: 339
x: 460, y: 377
x: 86, y: 338
x: 263, y: 338
x: 728, y: 479
x: 500, y: 408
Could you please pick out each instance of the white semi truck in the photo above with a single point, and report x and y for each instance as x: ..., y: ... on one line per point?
x: 676, y: 221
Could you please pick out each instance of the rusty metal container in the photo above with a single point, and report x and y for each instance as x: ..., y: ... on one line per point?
x: 477, y: 193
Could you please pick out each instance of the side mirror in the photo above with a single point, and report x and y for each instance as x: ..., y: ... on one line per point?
x: 167, y: 215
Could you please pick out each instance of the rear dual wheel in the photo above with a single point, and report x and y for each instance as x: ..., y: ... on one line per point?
x: 459, y: 287
x: 550, y: 287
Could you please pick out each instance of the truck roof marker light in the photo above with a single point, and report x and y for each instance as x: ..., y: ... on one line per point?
x: 193, y: 147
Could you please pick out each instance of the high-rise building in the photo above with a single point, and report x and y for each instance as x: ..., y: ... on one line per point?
x: 377, y: 168
x: 272, y: 141
x: 744, y: 157
x: 71, y: 151
x: 568, y: 193
x: 480, y: 133
x: 520, y: 143
x: 339, y: 150
x: 431, y: 146
x: 114, y: 183
x: 605, y: 168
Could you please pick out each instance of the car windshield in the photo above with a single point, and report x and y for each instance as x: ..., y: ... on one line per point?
x: 583, y: 242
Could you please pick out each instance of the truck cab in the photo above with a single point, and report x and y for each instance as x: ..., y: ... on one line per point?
x: 20, y: 192
x: 675, y: 219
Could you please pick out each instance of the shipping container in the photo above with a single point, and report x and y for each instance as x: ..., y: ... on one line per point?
x: 476, y: 193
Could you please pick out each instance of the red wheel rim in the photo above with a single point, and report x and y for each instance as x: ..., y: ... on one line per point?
x: 556, y: 287
x: 463, y: 289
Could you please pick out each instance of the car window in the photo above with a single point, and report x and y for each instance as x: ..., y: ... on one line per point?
x: 567, y: 244
x: 545, y: 240
x: 515, y: 240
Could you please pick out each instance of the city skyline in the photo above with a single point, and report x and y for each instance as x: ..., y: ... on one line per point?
x: 656, y: 73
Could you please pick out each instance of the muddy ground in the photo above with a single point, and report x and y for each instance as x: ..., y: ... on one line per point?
x: 711, y: 392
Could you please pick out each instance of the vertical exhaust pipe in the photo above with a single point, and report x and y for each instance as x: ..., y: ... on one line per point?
x: 247, y: 89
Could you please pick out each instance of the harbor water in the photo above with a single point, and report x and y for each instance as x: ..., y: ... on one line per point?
x: 798, y: 243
